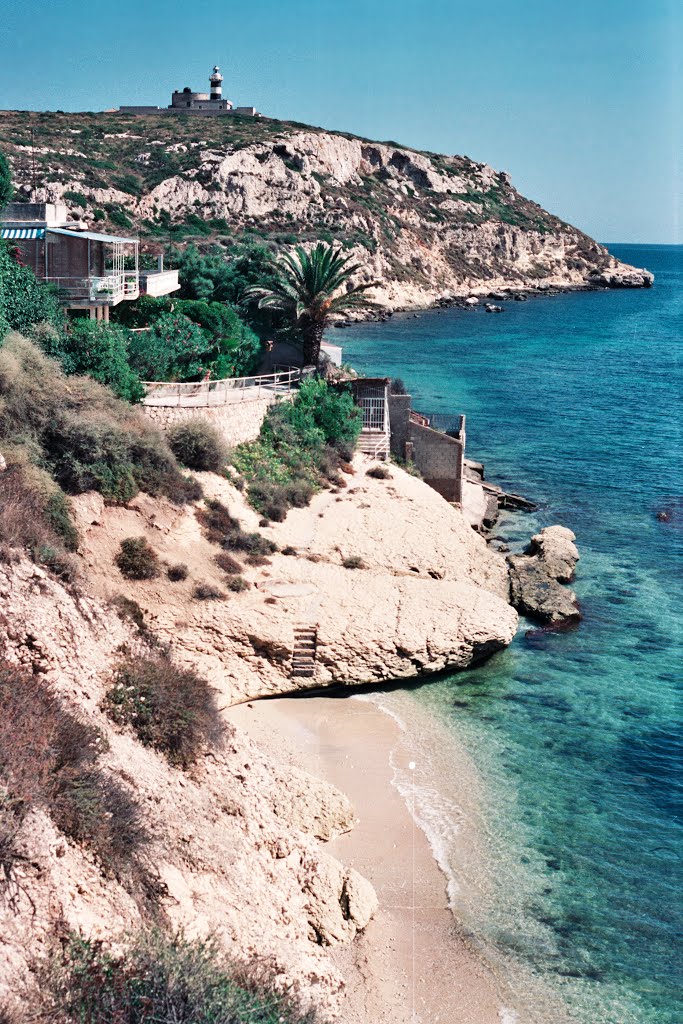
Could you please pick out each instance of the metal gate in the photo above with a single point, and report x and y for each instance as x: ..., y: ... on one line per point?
x: 373, y: 413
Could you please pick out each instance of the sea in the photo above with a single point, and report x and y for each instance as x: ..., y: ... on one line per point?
x: 576, y: 402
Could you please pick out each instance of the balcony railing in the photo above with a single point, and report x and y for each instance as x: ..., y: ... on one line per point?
x: 110, y: 288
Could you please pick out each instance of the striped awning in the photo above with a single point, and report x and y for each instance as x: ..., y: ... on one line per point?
x: 22, y: 233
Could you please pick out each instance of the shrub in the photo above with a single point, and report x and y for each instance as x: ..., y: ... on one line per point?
x: 6, y: 186
x: 35, y: 517
x: 174, y: 348
x: 198, y: 446
x: 169, y: 980
x: 379, y: 473
x: 227, y: 563
x: 301, y: 447
x: 137, y: 559
x: 85, y: 437
x: 48, y: 759
x: 289, y: 550
x: 353, y: 562
x: 397, y: 386
x: 178, y: 572
x: 237, y: 584
x: 101, y: 350
x: 207, y: 592
x: 222, y: 528
x: 170, y: 709
x: 258, y: 560
x: 129, y: 611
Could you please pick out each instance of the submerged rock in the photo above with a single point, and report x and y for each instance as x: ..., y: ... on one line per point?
x: 538, y: 577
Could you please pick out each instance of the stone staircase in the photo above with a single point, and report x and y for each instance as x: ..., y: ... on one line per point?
x: 304, y: 652
x: 374, y: 443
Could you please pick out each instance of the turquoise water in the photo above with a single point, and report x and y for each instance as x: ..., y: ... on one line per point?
x: 575, y: 401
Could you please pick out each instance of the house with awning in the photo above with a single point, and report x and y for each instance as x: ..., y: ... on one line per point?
x: 88, y: 269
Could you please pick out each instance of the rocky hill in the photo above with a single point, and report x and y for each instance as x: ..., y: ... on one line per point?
x: 425, y: 226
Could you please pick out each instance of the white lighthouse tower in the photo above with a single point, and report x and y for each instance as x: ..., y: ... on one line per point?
x: 216, y: 80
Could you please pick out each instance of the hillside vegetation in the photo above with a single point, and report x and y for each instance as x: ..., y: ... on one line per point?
x: 422, y: 223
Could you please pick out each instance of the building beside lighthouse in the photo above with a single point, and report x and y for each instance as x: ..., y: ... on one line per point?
x: 185, y: 101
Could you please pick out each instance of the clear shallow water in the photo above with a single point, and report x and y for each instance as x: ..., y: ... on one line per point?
x: 577, y: 402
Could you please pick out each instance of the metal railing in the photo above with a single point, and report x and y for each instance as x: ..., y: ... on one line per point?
x: 443, y: 422
x: 110, y: 286
x: 204, y: 393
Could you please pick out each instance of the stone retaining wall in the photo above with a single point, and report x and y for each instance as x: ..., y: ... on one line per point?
x: 236, y: 421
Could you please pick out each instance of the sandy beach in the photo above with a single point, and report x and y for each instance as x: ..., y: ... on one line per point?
x: 412, y: 965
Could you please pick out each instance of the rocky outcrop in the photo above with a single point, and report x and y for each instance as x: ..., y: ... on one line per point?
x: 427, y: 227
x: 428, y: 594
x: 537, y: 577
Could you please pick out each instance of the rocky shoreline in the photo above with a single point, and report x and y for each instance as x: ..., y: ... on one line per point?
x: 489, y: 301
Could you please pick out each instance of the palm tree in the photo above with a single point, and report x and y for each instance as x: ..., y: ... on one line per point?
x: 307, y: 286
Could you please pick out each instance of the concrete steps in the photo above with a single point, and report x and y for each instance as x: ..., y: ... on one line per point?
x: 304, y: 652
x: 374, y: 443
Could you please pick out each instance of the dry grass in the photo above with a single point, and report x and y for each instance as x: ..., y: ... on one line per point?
x: 48, y: 759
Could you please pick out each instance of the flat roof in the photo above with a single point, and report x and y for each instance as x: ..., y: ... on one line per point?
x: 94, y: 236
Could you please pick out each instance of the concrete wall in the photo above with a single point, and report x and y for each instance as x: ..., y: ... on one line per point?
x: 439, y: 459
x: 399, y: 417
x: 236, y: 422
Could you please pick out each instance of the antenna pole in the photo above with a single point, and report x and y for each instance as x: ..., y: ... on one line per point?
x: 33, y: 166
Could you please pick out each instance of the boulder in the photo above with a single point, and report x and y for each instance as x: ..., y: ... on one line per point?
x: 538, y: 577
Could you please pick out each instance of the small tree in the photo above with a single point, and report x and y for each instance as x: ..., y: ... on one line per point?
x: 101, y: 351
x: 6, y: 187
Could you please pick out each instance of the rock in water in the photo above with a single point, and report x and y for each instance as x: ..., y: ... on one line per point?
x: 538, y: 577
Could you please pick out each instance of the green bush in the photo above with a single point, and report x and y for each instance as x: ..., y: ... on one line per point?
x: 137, y: 559
x: 169, y: 708
x: 160, y: 979
x: 101, y: 350
x: 6, y: 186
x: 49, y: 759
x: 198, y: 445
x: 301, y: 448
x: 24, y: 302
x: 237, y: 584
x: 232, y: 348
x: 76, y: 199
x: 174, y: 348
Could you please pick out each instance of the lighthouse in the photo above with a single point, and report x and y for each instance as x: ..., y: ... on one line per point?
x: 216, y: 80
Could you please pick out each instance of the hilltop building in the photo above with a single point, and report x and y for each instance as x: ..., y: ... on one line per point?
x: 184, y: 101
x: 90, y: 270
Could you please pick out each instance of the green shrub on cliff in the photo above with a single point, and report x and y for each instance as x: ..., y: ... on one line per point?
x: 301, y: 448
x: 160, y: 978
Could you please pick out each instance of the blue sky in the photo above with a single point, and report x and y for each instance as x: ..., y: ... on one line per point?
x: 580, y: 101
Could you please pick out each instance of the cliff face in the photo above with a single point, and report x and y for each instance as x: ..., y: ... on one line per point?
x: 425, y: 226
x: 237, y: 843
